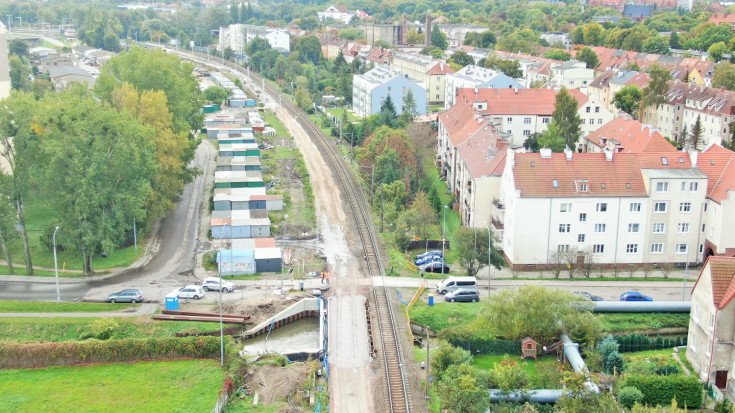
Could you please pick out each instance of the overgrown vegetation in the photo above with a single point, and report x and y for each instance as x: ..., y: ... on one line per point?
x: 629, y: 322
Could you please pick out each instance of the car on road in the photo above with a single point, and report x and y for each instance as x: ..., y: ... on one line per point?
x: 634, y: 296
x: 435, y: 253
x: 428, y: 259
x: 126, y: 296
x: 588, y: 296
x: 213, y: 283
x: 192, y: 291
x: 437, y: 266
x: 467, y: 295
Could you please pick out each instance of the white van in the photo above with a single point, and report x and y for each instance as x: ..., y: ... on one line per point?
x: 453, y: 283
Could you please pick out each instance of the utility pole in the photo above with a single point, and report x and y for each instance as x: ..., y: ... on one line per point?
x: 372, y: 182
x: 428, y: 364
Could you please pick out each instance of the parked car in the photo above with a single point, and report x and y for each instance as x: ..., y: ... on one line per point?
x: 463, y: 295
x: 588, y: 296
x: 438, y: 266
x: 126, y: 296
x: 634, y: 296
x: 435, y: 253
x: 455, y: 283
x: 213, y: 283
x: 428, y: 259
x: 192, y: 291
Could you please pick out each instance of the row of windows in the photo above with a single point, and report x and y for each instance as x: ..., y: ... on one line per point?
x: 691, y: 186
x: 634, y: 207
x: 658, y: 227
x: 592, y: 121
x: 656, y: 248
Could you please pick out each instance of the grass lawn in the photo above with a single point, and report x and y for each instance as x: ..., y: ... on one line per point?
x: 171, y: 386
x: 276, y: 124
x: 443, y: 315
x: 648, y: 353
x: 622, y: 322
x: 488, y: 362
x: 73, y: 328
x: 45, y: 307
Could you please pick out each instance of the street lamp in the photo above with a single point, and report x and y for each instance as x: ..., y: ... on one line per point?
x: 221, y: 329
x: 489, y: 259
x: 56, y: 268
x: 444, y: 236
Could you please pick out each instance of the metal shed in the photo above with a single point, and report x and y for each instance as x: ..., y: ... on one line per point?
x: 240, y: 224
x: 238, y: 163
x: 230, y: 129
x: 240, y: 191
x: 243, y: 243
x: 239, y: 149
x: 236, y: 262
x: 238, y: 179
x: 225, y: 119
x: 274, y: 202
x: 268, y: 259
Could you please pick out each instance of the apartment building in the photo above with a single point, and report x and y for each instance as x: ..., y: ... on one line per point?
x: 618, y: 208
x: 340, y: 13
x: 572, y: 74
x: 476, y: 77
x: 718, y: 218
x: 625, y: 135
x: 457, y: 32
x: 237, y: 36
x: 424, y: 69
x: 370, y: 90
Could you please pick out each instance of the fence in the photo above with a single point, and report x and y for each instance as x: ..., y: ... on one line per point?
x: 221, y: 403
x: 435, y: 244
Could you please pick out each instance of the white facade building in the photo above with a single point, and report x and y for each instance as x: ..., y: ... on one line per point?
x: 370, y: 90
x: 236, y: 36
x: 572, y: 74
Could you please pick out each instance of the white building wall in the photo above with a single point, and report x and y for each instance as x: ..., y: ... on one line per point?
x: 719, y: 222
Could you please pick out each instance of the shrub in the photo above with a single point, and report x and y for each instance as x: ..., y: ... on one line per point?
x: 638, y: 342
x: 661, y: 390
x: 102, y: 329
x: 614, y: 363
x: 629, y: 396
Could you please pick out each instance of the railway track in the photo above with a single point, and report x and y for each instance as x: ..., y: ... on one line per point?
x: 396, y: 387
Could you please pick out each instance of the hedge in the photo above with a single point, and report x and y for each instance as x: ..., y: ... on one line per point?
x: 488, y: 347
x: 16, y: 354
x: 661, y: 390
x: 639, y: 342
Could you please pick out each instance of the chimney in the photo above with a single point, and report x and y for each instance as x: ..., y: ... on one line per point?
x: 404, y: 29
x: 545, y: 153
x: 609, y: 156
x: 516, y: 90
x: 568, y: 152
x: 427, y: 32
x: 693, y: 156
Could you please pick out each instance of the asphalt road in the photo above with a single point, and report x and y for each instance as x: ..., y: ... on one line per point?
x: 172, y: 259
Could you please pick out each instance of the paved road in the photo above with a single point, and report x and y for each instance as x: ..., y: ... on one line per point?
x: 169, y: 266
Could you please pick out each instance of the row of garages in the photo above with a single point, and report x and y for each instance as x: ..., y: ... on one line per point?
x: 237, y: 98
x: 240, y: 226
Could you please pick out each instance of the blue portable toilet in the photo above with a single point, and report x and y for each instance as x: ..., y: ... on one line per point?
x: 172, y: 300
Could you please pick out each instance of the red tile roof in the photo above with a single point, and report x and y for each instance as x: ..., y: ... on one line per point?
x: 718, y: 164
x: 633, y: 137
x: 534, y: 176
x: 440, y: 68
x: 460, y: 121
x: 722, y: 274
x: 484, y: 153
x: 265, y: 242
x: 719, y: 18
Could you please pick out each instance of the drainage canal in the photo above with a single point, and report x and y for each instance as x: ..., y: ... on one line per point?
x: 298, y: 337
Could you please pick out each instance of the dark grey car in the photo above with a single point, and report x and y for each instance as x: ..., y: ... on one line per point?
x: 463, y: 295
x: 126, y: 296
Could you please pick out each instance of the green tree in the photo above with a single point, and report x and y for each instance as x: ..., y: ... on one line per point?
x: 508, y: 376
x: 628, y: 100
x: 558, y: 54
x: 423, y: 215
x: 462, y: 58
x: 216, y: 94
x: 19, y: 48
x: 579, y: 398
x: 8, y: 218
x: 387, y: 167
x: 551, y: 138
x: 588, y: 56
x: 446, y: 356
x: 696, y: 134
x: 99, y: 164
x: 629, y: 396
x: 566, y: 118
x: 439, y: 39
x: 308, y: 23
x: 656, y: 44
x: 472, y: 249
x: 724, y: 76
x: 20, y: 74
x: 351, y: 33
x: 388, y: 114
x: 683, y: 137
x: 463, y: 389
x: 511, y: 68
x: 531, y: 144
x: 547, y: 313
x: 111, y: 42
x: 716, y: 51
x: 674, y: 40
x: 310, y: 49
x: 256, y: 45
x: 593, y: 34
x: 654, y: 94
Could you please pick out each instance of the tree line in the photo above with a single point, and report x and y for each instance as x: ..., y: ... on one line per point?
x: 103, y: 158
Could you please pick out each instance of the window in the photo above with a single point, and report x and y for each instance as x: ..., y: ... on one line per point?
x: 582, y: 217
x: 631, y: 248
x: 598, y: 248
x: 526, y: 132
x: 681, y: 248
x: 584, y: 121
x: 599, y: 121
x: 693, y: 186
x: 711, y: 321
x: 597, y: 109
x: 693, y: 341
x: 635, y: 207
x: 657, y: 248
x: 389, y: 90
x: 580, y: 237
x: 701, y: 248
x: 526, y: 121
x: 705, y: 207
x: 601, y: 207
x: 437, y: 97
x: 633, y: 227
x: 659, y: 227
x: 664, y: 161
x: 662, y: 187
x: 545, y: 120
x: 695, y: 312
x: 600, y: 227
x: 562, y: 247
x: 588, y: 109
x: 565, y: 207
x: 659, y: 207
x: 582, y: 187
x: 683, y: 187
x: 685, y: 207
x: 510, y: 120
x: 565, y: 227
x: 555, y: 183
x: 683, y: 227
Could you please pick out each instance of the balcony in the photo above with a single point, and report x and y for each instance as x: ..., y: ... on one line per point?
x: 498, y: 211
x: 498, y: 230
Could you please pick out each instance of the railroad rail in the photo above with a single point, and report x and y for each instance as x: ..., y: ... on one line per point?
x: 396, y: 387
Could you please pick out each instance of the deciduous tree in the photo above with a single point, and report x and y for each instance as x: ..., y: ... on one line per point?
x: 589, y: 57
x: 566, y: 118
x: 463, y: 389
x: 724, y: 76
x: 628, y: 99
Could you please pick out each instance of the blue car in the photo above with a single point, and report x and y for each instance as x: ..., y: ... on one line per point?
x: 428, y: 260
x: 634, y: 296
x: 428, y: 253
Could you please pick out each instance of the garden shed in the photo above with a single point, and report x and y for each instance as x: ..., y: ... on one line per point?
x: 528, y: 348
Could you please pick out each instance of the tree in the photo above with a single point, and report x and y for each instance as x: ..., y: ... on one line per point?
x: 446, y: 356
x: 683, y: 137
x: 216, y: 94
x: 111, y: 42
x: 472, y: 249
x: 629, y: 396
x: 423, y: 214
x: 18, y: 48
x: 256, y: 45
x: 656, y: 44
x: 654, y: 94
x: 462, y: 58
x: 387, y: 167
x: 99, y: 164
x: 531, y: 143
x: 387, y: 113
x: 593, y: 33
x: 463, y: 389
x: 588, y: 56
x: 552, y: 138
x: 508, y: 376
x: 20, y: 74
x: 724, y: 76
x: 409, y: 107
x: 628, y: 100
x: 8, y: 218
x: 674, y: 40
x: 439, y: 39
x: 308, y: 23
x: 558, y: 54
x: 580, y: 398
x: 511, y: 68
x: 546, y: 314
x: 310, y: 49
x: 566, y: 118
x: 716, y: 51
x: 696, y: 134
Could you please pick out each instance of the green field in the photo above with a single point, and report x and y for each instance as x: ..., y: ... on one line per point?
x: 442, y: 315
x: 488, y: 362
x: 171, y: 386
x: 46, y: 307
x: 75, y: 328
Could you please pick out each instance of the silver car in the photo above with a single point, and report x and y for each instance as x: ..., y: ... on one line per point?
x: 463, y: 295
x: 192, y: 291
x: 126, y: 296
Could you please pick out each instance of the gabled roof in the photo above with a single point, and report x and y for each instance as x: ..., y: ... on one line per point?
x: 718, y: 164
x: 631, y: 137
x: 484, y: 153
x: 719, y: 18
x: 460, y: 121
x: 722, y: 273
x: 516, y: 101
x: 635, y: 10
x: 440, y: 68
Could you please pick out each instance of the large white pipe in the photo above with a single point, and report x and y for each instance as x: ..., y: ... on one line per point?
x: 642, y: 306
x: 538, y: 396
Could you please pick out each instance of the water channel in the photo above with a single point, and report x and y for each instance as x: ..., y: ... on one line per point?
x: 300, y: 336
